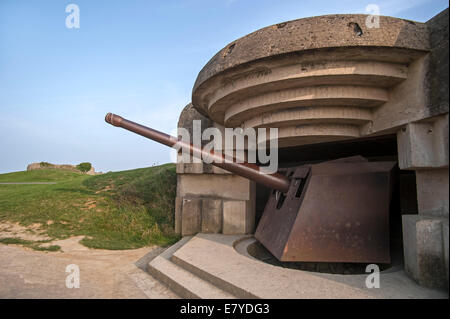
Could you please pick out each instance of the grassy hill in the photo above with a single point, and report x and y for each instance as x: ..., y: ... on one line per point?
x: 44, y: 175
x: 117, y: 210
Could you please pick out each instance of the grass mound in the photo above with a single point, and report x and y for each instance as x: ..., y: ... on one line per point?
x: 39, y: 175
x: 117, y: 210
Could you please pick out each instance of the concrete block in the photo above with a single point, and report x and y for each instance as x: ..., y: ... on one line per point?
x: 415, y: 146
x: 445, y: 235
x: 218, y: 170
x: 193, y: 168
x: 213, y: 186
x: 437, y: 77
x: 180, y: 168
x: 432, y: 192
x: 440, y: 129
x: 208, y: 169
x: 211, y: 215
x: 191, y: 216
x: 424, y: 144
x: 424, y: 250
x: 178, y: 214
x: 238, y: 217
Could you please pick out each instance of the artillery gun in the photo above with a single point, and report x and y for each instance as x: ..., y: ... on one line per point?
x: 334, y: 211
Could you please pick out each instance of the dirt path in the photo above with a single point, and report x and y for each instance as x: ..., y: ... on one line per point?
x: 32, y: 232
x: 25, y: 273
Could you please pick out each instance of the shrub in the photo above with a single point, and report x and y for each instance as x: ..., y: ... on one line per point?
x: 84, y: 167
x: 45, y: 164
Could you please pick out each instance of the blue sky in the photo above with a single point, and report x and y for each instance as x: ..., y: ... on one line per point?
x: 135, y: 58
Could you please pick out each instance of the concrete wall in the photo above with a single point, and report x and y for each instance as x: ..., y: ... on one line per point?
x: 214, y: 203
x: 210, y: 199
x: 423, y: 147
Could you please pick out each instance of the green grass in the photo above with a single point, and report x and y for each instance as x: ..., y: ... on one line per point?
x: 39, y: 175
x: 117, y: 210
x: 36, y: 245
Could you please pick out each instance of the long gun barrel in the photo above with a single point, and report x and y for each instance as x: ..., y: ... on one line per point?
x: 247, y: 170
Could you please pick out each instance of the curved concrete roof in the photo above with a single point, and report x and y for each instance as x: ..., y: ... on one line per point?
x: 326, y: 31
x: 316, y: 79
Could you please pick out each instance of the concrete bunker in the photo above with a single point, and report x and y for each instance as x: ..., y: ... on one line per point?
x: 332, y: 92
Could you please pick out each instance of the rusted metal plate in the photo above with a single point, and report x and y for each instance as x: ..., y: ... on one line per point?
x: 341, y: 215
x: 276, y: 224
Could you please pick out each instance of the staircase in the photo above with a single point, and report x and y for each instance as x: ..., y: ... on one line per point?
x: 180, y: 280
x: 216, y: 266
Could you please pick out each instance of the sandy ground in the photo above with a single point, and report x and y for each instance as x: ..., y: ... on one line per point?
x: 15, y: 230
x: 25, y: 273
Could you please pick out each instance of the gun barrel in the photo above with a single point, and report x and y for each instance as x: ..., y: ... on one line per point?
x: 247, y: 170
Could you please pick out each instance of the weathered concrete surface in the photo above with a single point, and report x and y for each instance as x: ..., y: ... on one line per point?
x: 339, y: 79
x: 446, y: 247
x: 190, y: 114
x: 423, y: 147
x: 212, y: 215
x: 202, y: 188
x: 178, y: 214
x: 226, y: 186
x: 437, y: 77
x: 209, y: 214
x: 432, y: 192
x: 424, y: 144
x: 181, y: 281
x: 319, y: 95
x: 234, y: 222
x: 425, y: 252
x: 26, y: 273
x: 214, y: 258
x: 192, y: 216
x: 315, y: 33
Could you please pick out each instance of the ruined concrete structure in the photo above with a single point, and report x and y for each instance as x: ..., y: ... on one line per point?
x: 67, y: 167
x: 333, y: 87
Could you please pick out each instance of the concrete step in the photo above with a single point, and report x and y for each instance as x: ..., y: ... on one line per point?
x: 223, y: 260
x: 219, y: 266
x: 149, y: 286
x: 206, y: 274
x: 213, y: 257
x: 184, y: 283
